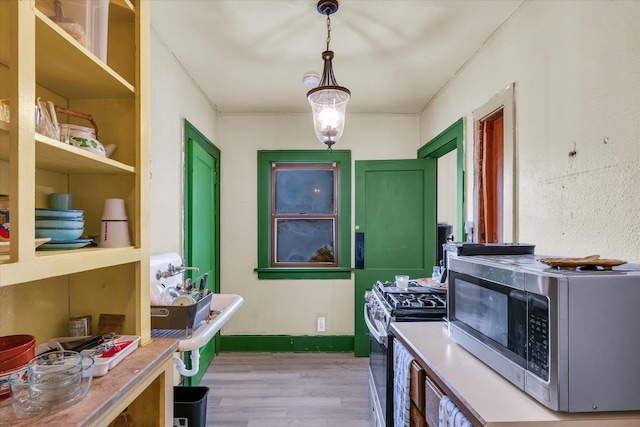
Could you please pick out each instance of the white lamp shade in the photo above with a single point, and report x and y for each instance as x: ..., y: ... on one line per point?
x: 329, y: 106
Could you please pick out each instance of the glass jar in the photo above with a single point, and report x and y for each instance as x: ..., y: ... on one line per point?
x: 437, y: 274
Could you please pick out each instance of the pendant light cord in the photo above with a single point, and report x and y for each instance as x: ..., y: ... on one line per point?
x: 328, y: 29
x: 329, y: 150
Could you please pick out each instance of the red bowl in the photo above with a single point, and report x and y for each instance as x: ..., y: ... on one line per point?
x: 19, y: 360
x: 13, y: 345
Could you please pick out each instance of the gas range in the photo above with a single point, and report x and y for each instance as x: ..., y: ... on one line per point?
x: 388, y: 303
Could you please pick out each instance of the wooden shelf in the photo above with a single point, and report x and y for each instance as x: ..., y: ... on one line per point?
x: 4, y: 33
x: 58, y: 157
x: 4, y: 133
x: 4, y: 140
x: 121, y: 10
x: 57, y: 263
x: 81, y: 75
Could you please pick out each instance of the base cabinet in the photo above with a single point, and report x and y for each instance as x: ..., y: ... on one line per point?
x: 416, y: 394
x: 432, y: 396
x: 425, y: 398
x: 417, y: 417
x: 481, y: 395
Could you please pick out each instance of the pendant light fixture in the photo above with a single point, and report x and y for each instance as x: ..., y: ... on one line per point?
x: 328, y: 100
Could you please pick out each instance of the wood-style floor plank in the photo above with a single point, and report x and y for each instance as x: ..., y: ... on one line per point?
x: 287, y: 389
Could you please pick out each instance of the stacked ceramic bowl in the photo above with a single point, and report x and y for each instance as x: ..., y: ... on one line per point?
x: 51, y: 381
x: 59, y: 224
x: 63, y: 226
x: 15, y: 353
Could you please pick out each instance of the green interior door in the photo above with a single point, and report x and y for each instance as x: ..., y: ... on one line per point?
x: 202, y: 224
x: 395, y: 227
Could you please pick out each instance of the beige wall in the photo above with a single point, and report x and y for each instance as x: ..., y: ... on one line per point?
x: 174, y: 98
x: 576, y: 66
x: 289, y: 307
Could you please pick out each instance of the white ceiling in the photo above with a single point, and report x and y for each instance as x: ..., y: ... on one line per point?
x: 249, y: 56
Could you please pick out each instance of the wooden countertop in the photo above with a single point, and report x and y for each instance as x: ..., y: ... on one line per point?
x: 490, y: 398
x: 107, y: 394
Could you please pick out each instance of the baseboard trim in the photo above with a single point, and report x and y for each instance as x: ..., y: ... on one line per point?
x: 286, y: 344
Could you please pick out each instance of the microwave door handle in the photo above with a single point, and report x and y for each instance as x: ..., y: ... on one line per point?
x: 382, y: 339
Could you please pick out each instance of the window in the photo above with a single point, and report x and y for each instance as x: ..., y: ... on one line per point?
x: 304, y: 214
x: 304, y: 199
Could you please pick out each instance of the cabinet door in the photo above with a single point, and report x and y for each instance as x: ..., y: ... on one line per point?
x: 416, y: 388
x: 432, y: 396
x: 417, y: 418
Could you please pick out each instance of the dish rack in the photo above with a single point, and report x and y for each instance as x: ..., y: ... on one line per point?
x: 183, y: 317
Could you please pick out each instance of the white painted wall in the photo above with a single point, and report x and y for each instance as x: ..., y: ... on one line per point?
x: 576, y: 66
x: 174, y: 98
x: 447, y: 190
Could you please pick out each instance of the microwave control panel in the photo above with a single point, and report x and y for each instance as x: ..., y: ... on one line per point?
x: 538, y: 334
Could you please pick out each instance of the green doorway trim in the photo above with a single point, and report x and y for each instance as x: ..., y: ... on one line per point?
x: 452, y: 138
x: 202, y: 239
x: 193, y: 134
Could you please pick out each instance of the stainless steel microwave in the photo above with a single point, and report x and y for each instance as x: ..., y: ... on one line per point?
x: 570, y: 339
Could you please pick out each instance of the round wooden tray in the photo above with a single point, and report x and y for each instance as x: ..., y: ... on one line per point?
x: 590, y: 261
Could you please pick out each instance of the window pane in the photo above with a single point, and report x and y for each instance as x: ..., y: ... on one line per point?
x: 304, y: 191
x: 304, y: 240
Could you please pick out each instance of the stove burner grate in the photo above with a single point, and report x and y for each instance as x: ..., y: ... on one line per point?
x: 428, y: 300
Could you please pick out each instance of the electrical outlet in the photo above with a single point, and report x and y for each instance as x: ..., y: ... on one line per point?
x: 321, y: 323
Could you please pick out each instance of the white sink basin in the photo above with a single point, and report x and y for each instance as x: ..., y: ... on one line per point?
x: 226, y: 305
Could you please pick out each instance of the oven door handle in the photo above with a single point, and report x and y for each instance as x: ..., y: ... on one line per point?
x: 373, y: 331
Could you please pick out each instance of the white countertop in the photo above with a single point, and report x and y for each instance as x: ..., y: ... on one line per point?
x: 494, y: 399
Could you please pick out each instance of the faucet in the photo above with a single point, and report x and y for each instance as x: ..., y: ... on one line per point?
x: 173, y: 270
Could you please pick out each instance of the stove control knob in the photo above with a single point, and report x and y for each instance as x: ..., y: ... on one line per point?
x: 379, y: 314
x: 368, y: 296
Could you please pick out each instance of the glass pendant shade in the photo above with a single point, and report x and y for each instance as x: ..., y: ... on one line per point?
x: 328, y: 103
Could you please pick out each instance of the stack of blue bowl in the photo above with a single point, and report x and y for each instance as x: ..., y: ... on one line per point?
x: 60, y: 225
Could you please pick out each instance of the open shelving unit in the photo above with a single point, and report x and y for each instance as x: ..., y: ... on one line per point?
x: 40, y: 290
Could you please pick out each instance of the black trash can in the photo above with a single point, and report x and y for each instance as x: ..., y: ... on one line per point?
x: 190, y: 406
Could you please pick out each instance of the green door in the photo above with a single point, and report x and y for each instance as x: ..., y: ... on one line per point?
x: 395, y: 227
x: 202, y: 223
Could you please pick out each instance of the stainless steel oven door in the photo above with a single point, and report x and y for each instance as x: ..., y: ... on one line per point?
x: 378, y: 361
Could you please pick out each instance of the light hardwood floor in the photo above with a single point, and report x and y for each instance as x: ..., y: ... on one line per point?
x: 287, y: 389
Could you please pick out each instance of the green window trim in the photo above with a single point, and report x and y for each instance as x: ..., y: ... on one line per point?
x: 265, y: 159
